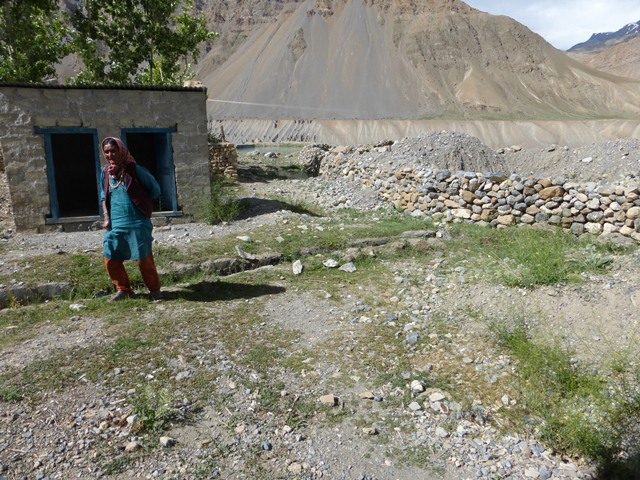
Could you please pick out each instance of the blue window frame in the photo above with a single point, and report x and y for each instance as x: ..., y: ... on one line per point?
x: 153, y: 149
x: 73, y: 172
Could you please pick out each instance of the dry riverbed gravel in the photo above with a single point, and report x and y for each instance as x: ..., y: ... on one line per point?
x: 332, y: 414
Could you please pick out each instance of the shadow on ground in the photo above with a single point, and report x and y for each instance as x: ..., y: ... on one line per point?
x: 254, y: 207
x: 264, y: 173
x: 628, y: 469
x: 216, y: 291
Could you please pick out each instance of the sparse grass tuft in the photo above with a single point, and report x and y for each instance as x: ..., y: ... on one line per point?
x: 10, y: 393
x: 153, y: 408
x: 526, y: 257
x: 579, y: 412
x: 221, y: 206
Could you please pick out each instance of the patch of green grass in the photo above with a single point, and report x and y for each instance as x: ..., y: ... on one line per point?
x: 10, y: 393
x: 579, y: 412
x: 526, y: 257
x: 221, y: 206
x: 117, y: 465
x: 124, y: 346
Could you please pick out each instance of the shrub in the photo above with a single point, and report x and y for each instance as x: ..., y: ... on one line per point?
x: 221, y: 206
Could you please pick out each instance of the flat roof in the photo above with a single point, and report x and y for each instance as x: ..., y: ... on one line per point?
x: 165, y: 88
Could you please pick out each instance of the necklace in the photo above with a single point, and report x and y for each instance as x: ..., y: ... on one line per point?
x: 112, y: 180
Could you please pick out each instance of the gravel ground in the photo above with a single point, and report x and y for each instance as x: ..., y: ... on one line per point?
x: 396, y: 429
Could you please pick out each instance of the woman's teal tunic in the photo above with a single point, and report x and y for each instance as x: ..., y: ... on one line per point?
x: 130, y: 235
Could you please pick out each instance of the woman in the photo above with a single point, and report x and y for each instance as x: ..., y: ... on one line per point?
x: 127, y: 194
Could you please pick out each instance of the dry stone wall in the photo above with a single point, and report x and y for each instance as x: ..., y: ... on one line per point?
x: 419, y: 186
x: 223, y: 160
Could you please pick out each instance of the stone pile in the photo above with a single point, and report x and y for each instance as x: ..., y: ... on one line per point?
x: 424, y: 183
x: 223, y: 160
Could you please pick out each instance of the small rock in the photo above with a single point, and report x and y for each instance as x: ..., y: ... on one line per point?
x: 417, y: 386
x: 415, y: 406
x: 348, y: 267
x: 329, y: 400
x: 441, y: 432
x: 132, y: 447
x: 367, y: 395
x: 245, y: 238
x: 437, y: 397
x: 531, y: 473
x: 167, y: 441
x: 297, y: 267
x: 295, y: 468
x: 331, y: 263
x: 242, y: 254
x: 370, y: 430
x: 77, y: 307
x: 266, y: 445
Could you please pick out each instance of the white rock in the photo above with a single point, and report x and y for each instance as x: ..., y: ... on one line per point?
x: 441, y: 432
x: 417, y: 386
x: 331, y: 263
x: 348, y: 267
x: 242, y: 254
x: 167, y: 441
x: 297, y: 267
x: 132, y: 446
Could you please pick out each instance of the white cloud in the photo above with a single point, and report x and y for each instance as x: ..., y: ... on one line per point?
x: 563, y: 23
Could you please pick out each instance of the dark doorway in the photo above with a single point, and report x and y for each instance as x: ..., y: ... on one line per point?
x: 153, y: 151
x: 74, y: 170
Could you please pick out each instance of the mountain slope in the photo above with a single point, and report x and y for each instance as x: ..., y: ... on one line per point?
x: 613, y: 52
x: 621, y: 59
x: 396, y: 59
x: 599, y: 41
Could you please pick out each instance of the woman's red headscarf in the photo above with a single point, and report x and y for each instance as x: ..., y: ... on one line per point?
x: 123, y: 156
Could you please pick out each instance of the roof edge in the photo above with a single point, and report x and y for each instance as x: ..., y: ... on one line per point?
x: 166, y: 88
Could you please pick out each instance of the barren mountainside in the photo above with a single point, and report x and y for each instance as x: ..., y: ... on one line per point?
x: 412, y: 59
x: 619, y: 59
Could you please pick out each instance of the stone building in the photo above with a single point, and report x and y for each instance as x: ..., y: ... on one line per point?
x: 50, y: 141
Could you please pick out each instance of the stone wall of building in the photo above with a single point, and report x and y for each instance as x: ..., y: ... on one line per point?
x: 223, y: 160
x: 23, y: 109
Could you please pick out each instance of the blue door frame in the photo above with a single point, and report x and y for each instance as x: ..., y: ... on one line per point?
x: 164, y: 167
x: 53, y: 192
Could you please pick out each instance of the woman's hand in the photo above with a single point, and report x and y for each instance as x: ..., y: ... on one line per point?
x: 106, y: 223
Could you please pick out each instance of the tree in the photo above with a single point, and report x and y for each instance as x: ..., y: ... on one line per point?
x: 148, y: 42
x: 34, y: 37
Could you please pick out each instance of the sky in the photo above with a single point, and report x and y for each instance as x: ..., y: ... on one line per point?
x: 564, y: 23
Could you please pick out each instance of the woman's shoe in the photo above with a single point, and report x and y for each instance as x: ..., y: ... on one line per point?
x: 120, y: 295
x: 156, y: 296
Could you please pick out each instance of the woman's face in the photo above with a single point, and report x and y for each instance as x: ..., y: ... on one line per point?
x: 111, y: 154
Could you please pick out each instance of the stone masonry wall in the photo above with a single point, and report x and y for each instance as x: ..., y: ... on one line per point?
x: 108, y: 110
x: 495, y: 199
x: 223, y: 160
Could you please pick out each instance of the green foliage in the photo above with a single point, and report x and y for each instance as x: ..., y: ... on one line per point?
x: 153, y: 409
x: 34, y: 37
x: 579, y: 412
x: 138, y: 41
x: 526, y: 257
x: 220, y: 206
x: 10, y: 393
